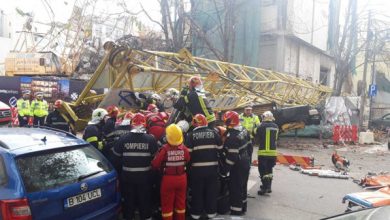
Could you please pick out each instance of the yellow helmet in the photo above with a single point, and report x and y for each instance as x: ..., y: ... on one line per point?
x: 174, y: 135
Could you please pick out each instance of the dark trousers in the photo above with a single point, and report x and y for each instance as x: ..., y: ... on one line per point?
x: 204, y: 191
x: 245, y: 187
x: 238, y: 186
x: 23, y: 122
x: 265, y: 166
x: 39, y: 121
x: 136, y: 195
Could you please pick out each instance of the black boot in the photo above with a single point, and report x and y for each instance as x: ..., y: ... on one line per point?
x: 269, y: 186
x: 263, y: 188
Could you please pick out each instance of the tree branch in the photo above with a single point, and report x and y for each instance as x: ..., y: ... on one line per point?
x: 150, y: 18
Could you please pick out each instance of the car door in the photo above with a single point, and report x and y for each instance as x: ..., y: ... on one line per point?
x: 69, y: 184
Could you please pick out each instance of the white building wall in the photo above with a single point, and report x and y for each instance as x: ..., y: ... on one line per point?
x: 303, y: 23
x: 268, y: 15
x: 306, y: 62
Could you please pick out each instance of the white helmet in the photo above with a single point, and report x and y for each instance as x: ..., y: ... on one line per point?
x: 172, y: 93
x: 184, y: 125
x: 97, y: 116
x: 268, y: 116
x: 155, y: 97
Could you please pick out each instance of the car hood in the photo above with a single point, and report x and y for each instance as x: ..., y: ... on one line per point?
x: 4, y: 106
x: 380, y: 213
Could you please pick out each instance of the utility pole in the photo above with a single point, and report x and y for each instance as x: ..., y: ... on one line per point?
x: 373, y: 79
x: 366, y: 54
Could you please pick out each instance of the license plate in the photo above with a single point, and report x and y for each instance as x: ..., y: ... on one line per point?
x: 82, y: 198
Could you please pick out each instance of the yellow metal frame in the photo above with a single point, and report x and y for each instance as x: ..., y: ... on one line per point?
x: 172, y: 70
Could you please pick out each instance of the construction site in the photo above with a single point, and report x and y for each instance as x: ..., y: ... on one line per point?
x: 321, y: 68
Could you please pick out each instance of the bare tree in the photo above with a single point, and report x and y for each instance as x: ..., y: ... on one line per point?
x: 173, y: 23
x: 217, y: 35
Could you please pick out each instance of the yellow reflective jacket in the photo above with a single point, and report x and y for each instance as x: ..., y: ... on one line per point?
x: 24, y: 108
x: 249, y: 122
x: 39, y: 108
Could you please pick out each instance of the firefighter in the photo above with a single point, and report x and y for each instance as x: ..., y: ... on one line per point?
x: 171, y: 97
x: 93, y: 133
x: 266, y: 136
x: 109, y: 126
x: 203, y: 143
x: 155, y: 121
x: 135, y: 151
x: 56, y: 120
x: 40, y: 109
x: 195, y: 101
x: 171, y: 160
x: 110, y: 140
x: 144, y: 101
x: 249, y: 120
x: 24, y: 108
x: 239, y: 149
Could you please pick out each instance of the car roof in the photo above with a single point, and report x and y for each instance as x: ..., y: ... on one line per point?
x: 26, y: 140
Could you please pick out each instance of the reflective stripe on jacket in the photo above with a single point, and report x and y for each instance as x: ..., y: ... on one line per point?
x: 24, y: 108
x: 39, y: 108
x: 266, y: 136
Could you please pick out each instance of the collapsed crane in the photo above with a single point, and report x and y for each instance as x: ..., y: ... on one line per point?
x: 229, y: 85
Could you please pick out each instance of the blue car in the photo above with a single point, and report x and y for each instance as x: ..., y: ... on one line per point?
x: 50, y: 174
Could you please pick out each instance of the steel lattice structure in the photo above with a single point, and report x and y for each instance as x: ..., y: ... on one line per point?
x: 141, y: 71
x: 249, y: 84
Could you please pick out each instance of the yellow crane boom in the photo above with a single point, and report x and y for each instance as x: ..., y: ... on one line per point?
x: 140, y: 71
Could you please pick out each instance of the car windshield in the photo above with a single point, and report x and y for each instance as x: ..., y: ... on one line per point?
x: 49, y: 170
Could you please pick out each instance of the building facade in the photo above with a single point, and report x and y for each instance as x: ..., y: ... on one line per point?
x: 285, y: 36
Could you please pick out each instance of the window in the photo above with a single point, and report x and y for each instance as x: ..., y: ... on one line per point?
x: 324, y: 74
x: 49, y: 170
x: 3, y: 173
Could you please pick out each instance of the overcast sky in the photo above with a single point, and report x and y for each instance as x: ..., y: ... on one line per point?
x: 63, y: 8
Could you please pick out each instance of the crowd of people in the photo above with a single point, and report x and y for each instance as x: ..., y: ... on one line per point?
x: 168, y: 165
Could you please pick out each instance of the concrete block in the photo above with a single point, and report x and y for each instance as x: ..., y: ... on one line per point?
x: 366, y: 137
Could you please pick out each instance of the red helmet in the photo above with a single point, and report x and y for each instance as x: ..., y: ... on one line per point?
x: 199, y: 120
x: 113, y: 111
x: 138, y: 120
x: 231, y: 119
x: 194, y: 82
x: 152, y: 108
x: 57, y: 104
x: 127, y: 118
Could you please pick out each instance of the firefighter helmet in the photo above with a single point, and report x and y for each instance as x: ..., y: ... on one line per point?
x: 199, y: 120
x: 231, y: 119
x: 127, y: 119
x: 152, y: 108
x: 139, y: 120
x: 172, y: 93
x: 195, y: 82
x: 184, y: 125
x: 174, y: 135
x: 57, y: 104
x: 156, y: 97
x: 268, y: 116
x: 113, y: 111
x: 97, y: 116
